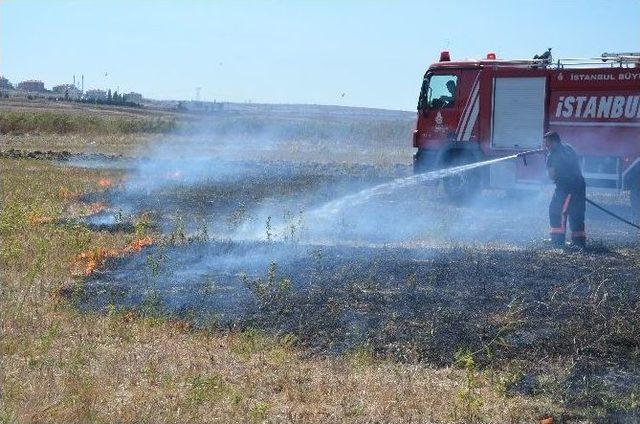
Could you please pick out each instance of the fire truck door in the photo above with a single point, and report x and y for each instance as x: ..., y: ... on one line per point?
x: 518, y: 112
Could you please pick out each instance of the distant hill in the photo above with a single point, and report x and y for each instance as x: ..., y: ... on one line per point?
x: 301, y: 110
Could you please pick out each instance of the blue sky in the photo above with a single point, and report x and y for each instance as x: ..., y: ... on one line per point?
x: 374, y: 52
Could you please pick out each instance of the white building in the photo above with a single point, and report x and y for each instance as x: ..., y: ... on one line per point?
x: 69, y: 91
x: 95, y: 95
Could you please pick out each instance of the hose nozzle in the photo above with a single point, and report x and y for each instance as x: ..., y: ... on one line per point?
x: 524, y: 155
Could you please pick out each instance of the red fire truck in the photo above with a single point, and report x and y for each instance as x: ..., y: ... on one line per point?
x: 474, y: 110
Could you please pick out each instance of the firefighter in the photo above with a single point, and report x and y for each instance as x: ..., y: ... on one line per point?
x: 447, y: 101
x: 444, y: 100
x: 568, y: 199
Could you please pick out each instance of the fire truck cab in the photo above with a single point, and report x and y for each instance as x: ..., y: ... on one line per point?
x: 481, y: 109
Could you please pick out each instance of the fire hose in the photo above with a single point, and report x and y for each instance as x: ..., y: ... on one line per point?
x: 524, y: 155
x: 591, y: 202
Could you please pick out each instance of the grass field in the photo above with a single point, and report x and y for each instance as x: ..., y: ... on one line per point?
x: 61, y: 363
x: 64, y: 123
x: 63, y: 366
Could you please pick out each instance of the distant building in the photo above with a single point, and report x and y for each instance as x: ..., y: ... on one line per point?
x: 32, y: 85
x: 133, y: 98
x: 95, y: 95
x: 69, y: 91
x: 4, y: 83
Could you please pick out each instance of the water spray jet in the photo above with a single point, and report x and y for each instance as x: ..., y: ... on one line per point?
x: 336, y: 205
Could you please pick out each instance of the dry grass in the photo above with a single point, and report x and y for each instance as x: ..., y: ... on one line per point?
x: 126, y: 144
x: 47, y: 122
x: 60, y: 365
x: 117, y: 130
x: 80, y: 128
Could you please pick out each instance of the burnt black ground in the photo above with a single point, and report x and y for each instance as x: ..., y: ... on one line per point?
x: 426, y: 302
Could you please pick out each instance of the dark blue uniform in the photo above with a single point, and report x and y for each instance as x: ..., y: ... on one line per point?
x: 569, y: 197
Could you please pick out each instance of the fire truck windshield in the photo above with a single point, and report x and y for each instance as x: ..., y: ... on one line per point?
x: 438, y: 92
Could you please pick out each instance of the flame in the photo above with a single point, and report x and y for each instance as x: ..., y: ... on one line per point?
x: 67, y: 194
x: 87, y: 262
x: 138, y: 244
x: 105, y: 182
x: 35, y: 218
x: 97, y: 207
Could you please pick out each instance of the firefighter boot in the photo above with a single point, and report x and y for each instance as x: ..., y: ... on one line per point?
x: 579, y: 240
x: 557, y: 240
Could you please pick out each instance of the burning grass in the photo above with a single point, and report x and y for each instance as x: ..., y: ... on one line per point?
x: 88, y: 261
x: 96, y: 207
x: 105, y: 182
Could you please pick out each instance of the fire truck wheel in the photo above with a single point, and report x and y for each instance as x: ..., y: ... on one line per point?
x: 464, y: 186
x: 635, y: 203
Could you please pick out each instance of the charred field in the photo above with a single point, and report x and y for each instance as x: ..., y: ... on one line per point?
x: 213, y: 279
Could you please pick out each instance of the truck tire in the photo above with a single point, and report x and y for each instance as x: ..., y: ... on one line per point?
x: 635, y: 203
x: 464, y: 186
